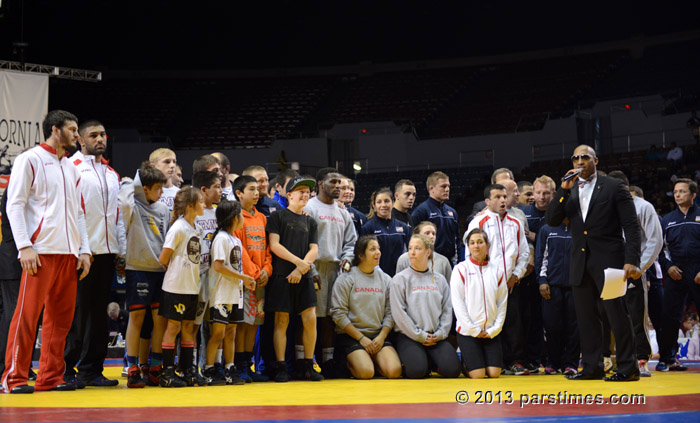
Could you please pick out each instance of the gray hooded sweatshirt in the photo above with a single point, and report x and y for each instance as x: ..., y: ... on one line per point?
x: 142, y: 227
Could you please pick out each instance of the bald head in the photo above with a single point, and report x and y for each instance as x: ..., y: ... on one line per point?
x: 584, y: 158
x: 512, y: 192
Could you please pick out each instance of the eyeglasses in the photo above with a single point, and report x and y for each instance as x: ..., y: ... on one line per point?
x: 584, y: 157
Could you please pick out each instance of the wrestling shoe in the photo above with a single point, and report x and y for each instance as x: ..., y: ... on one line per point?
x: 310, y: 373
x: 233, y: 377
x: 168, y: 379
x: 281, y: 374
x: 134, y: 379
x: 215, y: 378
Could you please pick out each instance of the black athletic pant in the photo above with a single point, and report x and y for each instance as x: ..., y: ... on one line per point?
x: 656, y: 303
x: 512, y: 337
x: 636, y: 299
x: 675, y: 295
x: 416, y: 358
x: 10, y: 291
x: 531, y: 311
x: 559, y: 314
x: 89, y: 334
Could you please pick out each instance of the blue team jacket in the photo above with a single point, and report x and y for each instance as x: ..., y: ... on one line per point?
x: 447, y: 240
x: 393, y: 236
x: 681, y: 237
x: 552, y: 255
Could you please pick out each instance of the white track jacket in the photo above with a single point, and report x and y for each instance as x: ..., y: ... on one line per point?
x: 43, y: 203
x: 479, y: 297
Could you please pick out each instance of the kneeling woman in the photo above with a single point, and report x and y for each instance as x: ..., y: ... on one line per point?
x: 479, y: 298
x: 361, y: 310
x: 422, y: 312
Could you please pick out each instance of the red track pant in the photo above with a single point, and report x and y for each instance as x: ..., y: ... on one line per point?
x: 53, y: 288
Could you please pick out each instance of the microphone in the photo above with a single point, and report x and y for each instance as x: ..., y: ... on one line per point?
x: 571, y: 175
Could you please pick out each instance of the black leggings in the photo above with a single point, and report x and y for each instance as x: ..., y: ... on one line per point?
x: 416, y: 358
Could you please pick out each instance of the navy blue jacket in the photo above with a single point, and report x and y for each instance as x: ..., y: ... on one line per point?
x: 447, y: 238
x: 535, y: 218
x: 681, y: 237
x: 393, y: 236
x: 267, y: 205
x: 358, y: 219
x: 552, y: 255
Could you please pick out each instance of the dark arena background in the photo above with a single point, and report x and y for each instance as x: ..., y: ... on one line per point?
x: 382, y: 90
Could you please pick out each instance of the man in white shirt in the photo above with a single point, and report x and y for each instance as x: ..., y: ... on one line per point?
x: 99, y: 187
x: 48, y: 225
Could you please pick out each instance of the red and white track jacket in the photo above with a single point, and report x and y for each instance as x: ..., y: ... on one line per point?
x: 509, y: 247
x: 99, y: 187
x: 43, y: 203
x: 479, y: 297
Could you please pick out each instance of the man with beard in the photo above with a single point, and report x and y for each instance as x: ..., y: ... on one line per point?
x: 99, y: 187
x: 336, y: 241
x: 49, y: 230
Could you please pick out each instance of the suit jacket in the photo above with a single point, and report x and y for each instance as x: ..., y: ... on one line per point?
x: 611, y: 211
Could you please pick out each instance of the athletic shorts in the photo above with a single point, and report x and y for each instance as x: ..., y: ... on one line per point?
x: 346, y: 344
x: 201, y: 311
x: 179, y: 306
x: 254, y: 306
x: 226, y: 313
x: 284, y: 297
x: 480, y: 353
x: 143, y: 289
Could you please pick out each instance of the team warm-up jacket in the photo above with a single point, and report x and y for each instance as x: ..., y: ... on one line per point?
x: 553, y: 255
x: 509, y: 247
x: 479, y: 297
x: 681, y: 236
x: 99, y: 186
x: 40, y: 218
x: 446, y: 221
x: 393, y: 236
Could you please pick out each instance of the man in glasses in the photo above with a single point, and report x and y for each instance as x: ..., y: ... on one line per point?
x: 599, y: 210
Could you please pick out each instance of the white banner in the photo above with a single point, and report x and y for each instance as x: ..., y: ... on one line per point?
x: 24, y: 101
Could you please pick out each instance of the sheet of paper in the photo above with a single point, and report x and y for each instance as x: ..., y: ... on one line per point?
x: 615, y: 284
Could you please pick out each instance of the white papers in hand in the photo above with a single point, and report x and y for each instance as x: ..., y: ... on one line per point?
x: 615, y: 284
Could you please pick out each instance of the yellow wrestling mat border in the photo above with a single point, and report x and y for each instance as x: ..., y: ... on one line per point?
x: 346, y: 391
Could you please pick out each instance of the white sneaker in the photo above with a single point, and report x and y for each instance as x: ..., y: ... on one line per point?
x: 644, y: 369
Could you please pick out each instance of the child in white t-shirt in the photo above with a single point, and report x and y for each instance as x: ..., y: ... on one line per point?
x: 226, y: 280
x: 180, y: 257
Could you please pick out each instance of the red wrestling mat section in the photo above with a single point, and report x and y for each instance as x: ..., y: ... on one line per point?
x: 324, y: 412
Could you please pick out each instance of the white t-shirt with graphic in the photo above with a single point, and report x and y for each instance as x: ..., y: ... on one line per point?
x: 168, y: 196
x: 227, y: 193
x: 182, y: 276
x: 206, y: 226
x: 222, y: 288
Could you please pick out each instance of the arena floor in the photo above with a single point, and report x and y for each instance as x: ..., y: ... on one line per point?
x: 667, y: 396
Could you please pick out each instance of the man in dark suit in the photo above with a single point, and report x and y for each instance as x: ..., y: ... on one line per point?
x: 599, y: 210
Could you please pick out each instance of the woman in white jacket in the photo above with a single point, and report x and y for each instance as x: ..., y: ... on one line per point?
x: 479, y: 298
